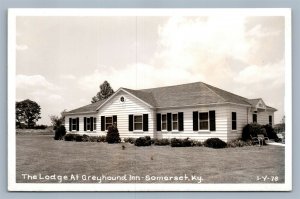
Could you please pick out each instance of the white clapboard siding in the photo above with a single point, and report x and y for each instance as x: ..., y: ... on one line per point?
x: 262, y: 117
x: 241, y: 121
x: 81, y: 124
x: 221, y: 123
x: 132, y: 106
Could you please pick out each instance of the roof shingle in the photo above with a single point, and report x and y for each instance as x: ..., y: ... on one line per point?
x: 175, y: 96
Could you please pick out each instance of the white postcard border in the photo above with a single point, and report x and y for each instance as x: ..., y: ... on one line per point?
x: 13, y: 186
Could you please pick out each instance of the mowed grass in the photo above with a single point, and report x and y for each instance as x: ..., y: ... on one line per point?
x: 40, y: 154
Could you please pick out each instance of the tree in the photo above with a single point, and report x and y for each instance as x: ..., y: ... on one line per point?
x: 105, y: 92
x: 27, y: 112
x: 58, y: 121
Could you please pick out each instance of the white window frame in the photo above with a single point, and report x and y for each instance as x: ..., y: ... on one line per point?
x: 94, y: 123
x: 208, y: 122
x: 174, y: 121
x: 234, y: 121
x: 166, y: 122
x: 74, y: 123
x: 112, y: 122
x: 137, y: 122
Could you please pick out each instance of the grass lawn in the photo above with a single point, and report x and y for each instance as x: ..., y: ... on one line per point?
x: 40, y: 154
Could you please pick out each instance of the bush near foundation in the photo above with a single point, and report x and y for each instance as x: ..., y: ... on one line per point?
x: 143, y: 141
x: 60, y: 132
x: 270, y: 132
x: 113, y: 135
x: 215, y: 143
x: 181, y: 142
x: 251, y: 130
x: 70, y: 137
x: 130, y: 140
x: 161, y: 142
x: 238, y: 143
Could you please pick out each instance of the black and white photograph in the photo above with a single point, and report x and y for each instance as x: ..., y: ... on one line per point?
x: 149, y: 100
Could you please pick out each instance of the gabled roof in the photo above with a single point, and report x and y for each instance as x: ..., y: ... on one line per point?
x: 86, y: 109
x: 192, y: 94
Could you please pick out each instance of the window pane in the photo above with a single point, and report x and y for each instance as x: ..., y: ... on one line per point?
x: 138, y: 126
x: 174, y: 117
x: 233, y: 115
x: 138, y: 118
x: 203, y: 116
x: 88, y: 120
x: 175, y: 126
x: 108, y: 120
x: 233, y: 125
x: 164, y: 126
x: 164, y: 118
x: 203, y: 125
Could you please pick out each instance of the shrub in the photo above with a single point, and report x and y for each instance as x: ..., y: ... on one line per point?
x: 113, y: 135
x: 78, y: 138
x: 101, y: 138
x: 215, y: 143
x: 85, y: 138
x: 270, y: 132
x: 251, y: 130
x: 238, y: 143
x: 143, y: 141
x: 129, y: 140
x: 60, y: 132
x: 70, y: 137
x: 161, y: 142
x: 196, y: 143
x: 181, y: 142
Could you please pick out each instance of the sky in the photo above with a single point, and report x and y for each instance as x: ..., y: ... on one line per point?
x: 61, y: 61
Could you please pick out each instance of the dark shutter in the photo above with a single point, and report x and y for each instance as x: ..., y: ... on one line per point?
x: 270, y: 120
x: 212, y: 120
x: 77, y: 124
x: 84, y: 123
x: 180, y: 121
x: 102, y: 123
x: 130, y: 122
x: 195, y: 121
x: 158, y: 122
x: 169, y: 121
x: 145, y: 122
x: 70, y: 124
x: 115, y: 120
x: 91, y: 123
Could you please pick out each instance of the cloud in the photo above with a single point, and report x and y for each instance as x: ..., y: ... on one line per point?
x: 67, y: 77
x: 33, y: 82
x: 21, y: 47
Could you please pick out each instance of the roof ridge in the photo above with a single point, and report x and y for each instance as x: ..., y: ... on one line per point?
x: 243, y: 98
x: 213, y: 91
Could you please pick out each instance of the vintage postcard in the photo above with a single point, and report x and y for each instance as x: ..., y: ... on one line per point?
x: 149, y: 100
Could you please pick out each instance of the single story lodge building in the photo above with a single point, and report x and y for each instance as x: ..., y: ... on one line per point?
x: 196, y: 110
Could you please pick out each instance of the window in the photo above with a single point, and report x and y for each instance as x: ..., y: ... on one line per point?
x: 108, y: 122
x: 203, y: 121
x: 122, y: 99
x: 88, y: 123
x: 233, y: 118
x: 164, y: 122
x: 74, y: 124
x: 138, y: 122
x: 175, y: 122
x: 270, y: 120
x: 95, y: 123
x: 254, y: 118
